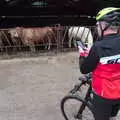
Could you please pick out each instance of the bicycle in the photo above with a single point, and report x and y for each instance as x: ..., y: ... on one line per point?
x: 82, y: 104
x: 84, y: 111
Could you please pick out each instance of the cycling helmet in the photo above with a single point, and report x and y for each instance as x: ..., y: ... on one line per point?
x: 110, y: 14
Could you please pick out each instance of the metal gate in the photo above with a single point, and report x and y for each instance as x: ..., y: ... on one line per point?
x: 44, y: 39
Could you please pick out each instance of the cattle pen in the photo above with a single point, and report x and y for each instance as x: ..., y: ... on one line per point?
x: 49, y: 40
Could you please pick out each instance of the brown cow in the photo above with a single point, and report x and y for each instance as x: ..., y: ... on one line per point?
x: 32, y: 36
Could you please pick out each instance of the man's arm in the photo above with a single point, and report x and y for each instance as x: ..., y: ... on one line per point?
x: 89, y: 63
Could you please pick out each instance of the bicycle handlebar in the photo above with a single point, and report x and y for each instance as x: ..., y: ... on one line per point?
x: 86, y: 78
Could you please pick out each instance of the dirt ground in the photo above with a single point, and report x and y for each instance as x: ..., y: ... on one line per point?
x: 31, y: 88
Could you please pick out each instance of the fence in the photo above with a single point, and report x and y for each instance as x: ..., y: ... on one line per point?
x: 44, y: 40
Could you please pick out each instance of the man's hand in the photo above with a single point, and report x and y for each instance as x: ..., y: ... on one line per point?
x: 83, y: 52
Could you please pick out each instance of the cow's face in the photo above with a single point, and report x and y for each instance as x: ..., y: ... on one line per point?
x: 13, y: 33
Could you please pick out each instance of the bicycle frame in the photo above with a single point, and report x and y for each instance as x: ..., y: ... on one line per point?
x: 82, y: 107
x: 87, y: 99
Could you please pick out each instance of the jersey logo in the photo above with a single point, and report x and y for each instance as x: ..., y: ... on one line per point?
x: 110, y: 60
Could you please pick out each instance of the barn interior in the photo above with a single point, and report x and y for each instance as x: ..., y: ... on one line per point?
x: 48, y: 12
x: 58, y: 24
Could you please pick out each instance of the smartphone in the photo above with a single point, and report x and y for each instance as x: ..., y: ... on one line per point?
x: 81, y: 44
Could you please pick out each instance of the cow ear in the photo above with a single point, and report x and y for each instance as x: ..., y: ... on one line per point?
x: 18, y: 28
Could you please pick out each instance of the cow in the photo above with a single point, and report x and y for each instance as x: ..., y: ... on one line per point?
x: 32, y: 36
x: 80, y: 33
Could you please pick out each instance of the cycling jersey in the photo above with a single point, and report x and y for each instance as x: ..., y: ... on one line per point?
x: 104, y: 63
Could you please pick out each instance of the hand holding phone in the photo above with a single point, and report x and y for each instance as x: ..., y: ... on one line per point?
x: 83, y: 50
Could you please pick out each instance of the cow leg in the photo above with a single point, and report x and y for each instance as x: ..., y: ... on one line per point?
x: 45, y: 42
x: 46, y: 47
x: 32, y: 48
x: 14, y: 45
x: 49, y: 43
x: 69, y: 43
x: 75, y: 43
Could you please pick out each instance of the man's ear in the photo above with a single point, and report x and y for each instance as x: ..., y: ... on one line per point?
x: 104, y: 24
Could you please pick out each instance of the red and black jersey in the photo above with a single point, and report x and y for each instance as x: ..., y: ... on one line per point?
x: 104, y: 63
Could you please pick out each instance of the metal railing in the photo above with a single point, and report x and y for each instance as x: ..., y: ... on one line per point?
x: 64, y: 40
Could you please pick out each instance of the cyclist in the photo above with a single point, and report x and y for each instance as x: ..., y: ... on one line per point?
x: 103, y: 61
